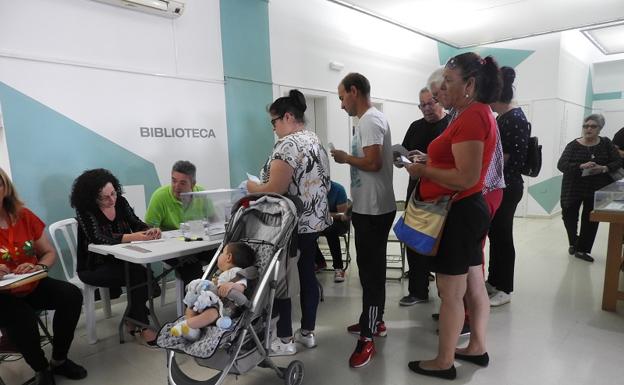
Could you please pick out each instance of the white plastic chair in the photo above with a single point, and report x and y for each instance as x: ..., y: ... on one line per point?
x: 67, y: 226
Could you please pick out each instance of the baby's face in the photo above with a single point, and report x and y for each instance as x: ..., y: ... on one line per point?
x: 222, y: 259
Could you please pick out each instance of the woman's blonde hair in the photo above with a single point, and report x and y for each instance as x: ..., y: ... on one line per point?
x: 11, y: 203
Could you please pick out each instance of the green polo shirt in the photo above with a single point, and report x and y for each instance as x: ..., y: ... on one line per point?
x: 166, y: 211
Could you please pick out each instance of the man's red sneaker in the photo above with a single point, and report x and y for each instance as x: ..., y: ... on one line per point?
x: 380, y: 332
x: 364, y: 351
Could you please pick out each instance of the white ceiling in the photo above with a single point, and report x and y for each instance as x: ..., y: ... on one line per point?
x: 467, y: 23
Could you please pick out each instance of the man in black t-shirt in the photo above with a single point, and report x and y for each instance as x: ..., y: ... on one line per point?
x: 419, y: 134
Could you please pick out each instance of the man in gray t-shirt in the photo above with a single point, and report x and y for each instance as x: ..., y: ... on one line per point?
x: 373, y: 207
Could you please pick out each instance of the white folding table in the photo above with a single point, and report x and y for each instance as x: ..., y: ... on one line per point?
x: 146, y: 253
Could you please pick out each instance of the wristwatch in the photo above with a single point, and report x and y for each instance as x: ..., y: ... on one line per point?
x: 44, y: 267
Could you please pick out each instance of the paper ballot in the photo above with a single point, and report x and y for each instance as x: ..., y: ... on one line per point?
x: 253, y: 178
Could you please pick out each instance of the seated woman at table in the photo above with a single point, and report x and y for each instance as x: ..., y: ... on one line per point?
x: 105, y: 217
x: 25, y: 249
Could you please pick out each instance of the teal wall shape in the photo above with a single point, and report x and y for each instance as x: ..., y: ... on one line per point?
x: 504, y: 56
x: 47, y: 151
x: 589, y: 92
x: 547, y: 193
x: 591, y: 97
x: 607, y: 96
x: 248, y: 84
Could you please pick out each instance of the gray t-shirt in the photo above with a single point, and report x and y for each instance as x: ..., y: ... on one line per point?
x: 372, y: 192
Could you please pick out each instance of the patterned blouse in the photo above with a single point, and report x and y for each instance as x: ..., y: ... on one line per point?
x: 514, y: 130
x: 575, y: 187
x: 302, y: 151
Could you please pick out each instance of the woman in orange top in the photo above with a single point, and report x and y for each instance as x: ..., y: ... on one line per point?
x: 25, y: 249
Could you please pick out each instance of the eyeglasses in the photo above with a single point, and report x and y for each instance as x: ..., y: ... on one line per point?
x: 590, y: 125
x: 110, y: 196
x: 431, y: 104
x: 276, y: 119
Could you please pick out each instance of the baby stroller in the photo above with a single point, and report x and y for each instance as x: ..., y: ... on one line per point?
x: 267, y: 223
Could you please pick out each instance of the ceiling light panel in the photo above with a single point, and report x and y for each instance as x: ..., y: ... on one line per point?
x: 609, y: 40
x: 467, y: 23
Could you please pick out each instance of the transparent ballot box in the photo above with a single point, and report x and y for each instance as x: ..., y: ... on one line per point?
x: 206, y: 213
x: 610, y: 198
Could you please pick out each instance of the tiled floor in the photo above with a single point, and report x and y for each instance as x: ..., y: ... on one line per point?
x: 553, y: 331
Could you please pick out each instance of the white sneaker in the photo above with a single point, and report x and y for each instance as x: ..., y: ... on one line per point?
x: 308, y: 341
x: 339, y: 275
x: 491, y: 290
x: 500, y: 298
x: 183, y: 330
x: 279, y: 348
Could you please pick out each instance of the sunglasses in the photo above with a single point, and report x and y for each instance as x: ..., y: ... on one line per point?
x: 276, y: 119
x: 590, y: 125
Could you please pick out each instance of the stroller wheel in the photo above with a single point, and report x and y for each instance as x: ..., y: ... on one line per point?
x: 293, y: 375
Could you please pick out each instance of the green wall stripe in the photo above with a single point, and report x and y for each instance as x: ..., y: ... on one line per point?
x: 589, y: 92
x: 248, y: 89
x: 608, y: 96
x: 547, y: 193
x: 504, y: 56
x: 47, y: 151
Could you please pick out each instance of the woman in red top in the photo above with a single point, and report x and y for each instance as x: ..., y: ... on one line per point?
x: 457, y: 163
x: 25, y: 249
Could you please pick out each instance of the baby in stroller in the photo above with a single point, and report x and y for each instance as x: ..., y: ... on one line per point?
x: 206, y: 301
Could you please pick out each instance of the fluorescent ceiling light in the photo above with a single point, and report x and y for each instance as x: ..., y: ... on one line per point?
x: 609, y: 39
x: 157, y: 4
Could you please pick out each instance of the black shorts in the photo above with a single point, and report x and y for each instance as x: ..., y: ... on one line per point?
x: 467, y: 224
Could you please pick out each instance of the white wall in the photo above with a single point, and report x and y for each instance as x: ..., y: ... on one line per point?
x: 306, y: 35
x: 113, y: 71
x: 609, y: 77
x: 4, y: 153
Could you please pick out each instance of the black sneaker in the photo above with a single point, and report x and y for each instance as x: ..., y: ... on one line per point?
x: 43, y: 377
x: 584, y: 256
x: 409, y: 300
x: 70, y: 369
x: 572, y: 250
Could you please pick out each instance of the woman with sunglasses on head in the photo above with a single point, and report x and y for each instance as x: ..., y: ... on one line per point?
x: 298, y: 166
x: 457, y: 165
x: 105, y: 217
x: 585, y: 164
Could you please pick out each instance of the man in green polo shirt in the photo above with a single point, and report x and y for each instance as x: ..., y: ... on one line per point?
x: 167, y: 208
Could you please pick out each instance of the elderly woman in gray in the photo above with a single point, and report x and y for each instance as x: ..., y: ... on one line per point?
x: 585, y: 164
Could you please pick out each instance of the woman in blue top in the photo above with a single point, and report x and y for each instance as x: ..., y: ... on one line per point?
x: 514, y: 132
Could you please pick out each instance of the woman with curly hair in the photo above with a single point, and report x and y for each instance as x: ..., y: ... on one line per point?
x: 25, y: 249
x: 105, y: 217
